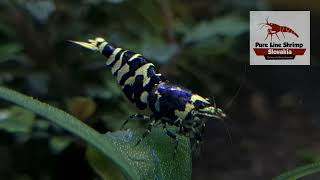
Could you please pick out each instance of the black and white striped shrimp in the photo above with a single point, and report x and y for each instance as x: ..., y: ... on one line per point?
x: 144, y: 86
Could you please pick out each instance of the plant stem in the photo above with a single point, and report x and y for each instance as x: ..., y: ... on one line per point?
x: 71, y: 124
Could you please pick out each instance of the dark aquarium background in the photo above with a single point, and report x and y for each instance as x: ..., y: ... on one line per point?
x: 201, y: 45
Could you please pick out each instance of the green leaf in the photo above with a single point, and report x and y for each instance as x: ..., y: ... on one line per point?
x: 227, y: 26
x: 8, y: 50
x: 7, y: 30
x: 58, y: 144
x: 300, y: 172
x: 308, y: 155
x: 73, y: 125
x: 156, y: 49
x: 104, y: 168
x: 40, y: 10
x: 101, y: 1
x: 115, y: 1
x: 154, y: 153
x: 99, y: 92
x: 16, y: 120
x: 152, y: 158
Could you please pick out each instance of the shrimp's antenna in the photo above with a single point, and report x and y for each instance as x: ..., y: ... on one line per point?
x: 227, y: 129
x: 228, y: 103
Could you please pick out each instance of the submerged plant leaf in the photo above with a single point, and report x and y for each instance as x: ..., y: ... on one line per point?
x: 153, y: 157
x: 58, y: 144
x: 9, y: 50
x: 73, y: 125
x: 226, y: 26
x: 40, y: 10
x: 156, y: 49
x: 81, y: 107
x: 308, y: 155
x: 16, y: 120
x: 102, y: 166
x: 300, y: 172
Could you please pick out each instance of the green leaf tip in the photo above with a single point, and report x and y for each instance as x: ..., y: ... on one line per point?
x: 300, y: 172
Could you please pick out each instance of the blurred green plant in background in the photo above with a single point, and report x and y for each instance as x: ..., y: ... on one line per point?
x: 200, y: 45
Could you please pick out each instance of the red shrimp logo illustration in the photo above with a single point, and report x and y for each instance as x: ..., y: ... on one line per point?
x: 274, y: 29
x: 278, y: 51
